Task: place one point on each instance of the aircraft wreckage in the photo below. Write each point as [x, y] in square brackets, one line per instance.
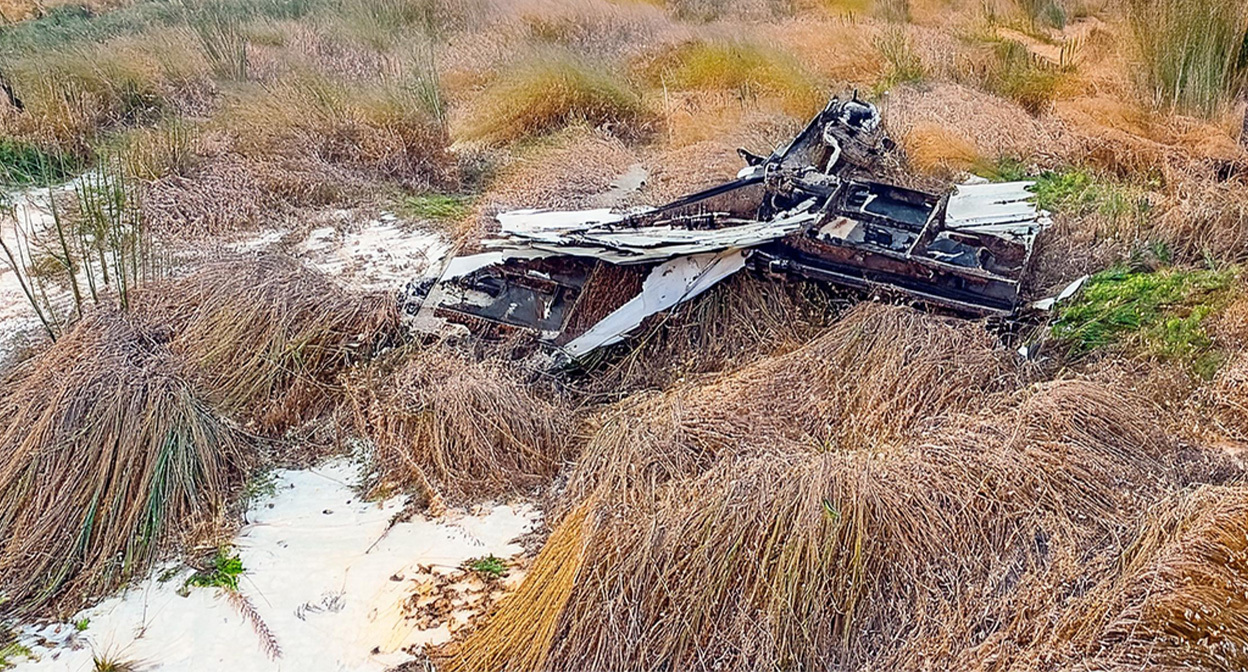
[578, 281]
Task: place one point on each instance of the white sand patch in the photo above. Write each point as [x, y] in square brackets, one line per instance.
[379, 255]
[25, 229]
[326, 578]
[257, 242]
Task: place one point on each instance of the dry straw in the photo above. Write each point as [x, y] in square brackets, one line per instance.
[106, 451]
[854, 500]
[268, 335]
[457, 427]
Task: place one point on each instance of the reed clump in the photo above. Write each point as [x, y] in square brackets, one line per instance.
[107, 453]
[268, 336]
[458, 427]
[1191, 51]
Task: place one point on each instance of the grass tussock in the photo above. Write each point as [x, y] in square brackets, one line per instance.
[108, 452]
[388, 132]
[867, 380]
[933, 149]
[1015, 73]
[268, 336]
[549, 91]
[738, 321]
[455, 427]
[779, 548]
[524, 643]
[747, 70]
[1192, 52]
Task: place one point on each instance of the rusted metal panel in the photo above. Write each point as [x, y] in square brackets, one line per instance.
[809, 209]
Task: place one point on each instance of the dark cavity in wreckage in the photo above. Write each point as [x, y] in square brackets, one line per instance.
[581, 280]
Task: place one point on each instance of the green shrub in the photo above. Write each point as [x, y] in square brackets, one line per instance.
[224, 572]
[1159, 313]
[437, 207]
[489, 566]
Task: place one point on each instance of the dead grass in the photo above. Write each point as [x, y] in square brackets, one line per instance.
[1179, 601]
[457, 427]
[749, 71]
[737, 322]
[548, 91]
[866, 381]
[268, 336]
[934, 149]
[729, 541]
[73, 95]
[996, 127]
[382, 130]
[108, 453]
[566, 171]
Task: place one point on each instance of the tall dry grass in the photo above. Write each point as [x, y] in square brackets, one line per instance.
[107, 452]
[268, 336]
[744, 69]
[1175, 600]
[75, 94]
[385, 130]
[1192, 52]
[550, 90]
[456, 427]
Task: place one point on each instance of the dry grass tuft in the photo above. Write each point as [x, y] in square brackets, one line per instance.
[754, 545]
[107, 452]
[268, 336]
[739, 321]
[566, 172]
[996, 127]
[385, 131]
[934, 149]
[528, 619]
[867, 380]
[746, 70]
[551, 90]
[457, 427]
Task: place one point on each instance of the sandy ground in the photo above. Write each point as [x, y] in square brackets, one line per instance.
[365, 254]
[326, 578]
[379, 254]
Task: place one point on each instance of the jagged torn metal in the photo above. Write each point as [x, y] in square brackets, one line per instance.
[669, 284]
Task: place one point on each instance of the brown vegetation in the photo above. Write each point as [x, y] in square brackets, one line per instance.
[457, 428]
[107, 452]
[268, 336]
[833, 504]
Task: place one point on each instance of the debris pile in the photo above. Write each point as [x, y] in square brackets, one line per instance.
[581, 280]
